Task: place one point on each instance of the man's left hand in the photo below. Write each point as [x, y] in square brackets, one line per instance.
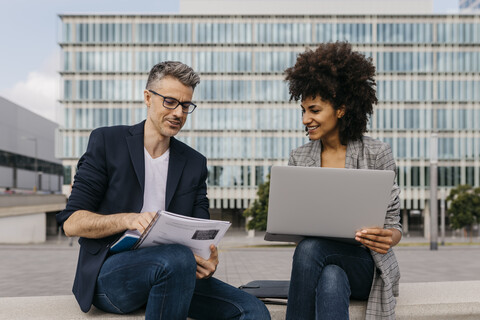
[206, 268]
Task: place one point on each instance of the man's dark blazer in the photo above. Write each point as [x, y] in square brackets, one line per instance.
[110, 179]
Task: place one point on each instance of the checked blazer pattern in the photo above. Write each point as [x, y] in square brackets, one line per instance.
[368, 153]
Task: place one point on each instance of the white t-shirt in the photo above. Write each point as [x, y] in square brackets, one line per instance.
[155, 181]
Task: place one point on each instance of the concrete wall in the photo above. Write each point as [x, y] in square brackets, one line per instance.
[6, 177]
[24, 217]
[306, 7]
[23, 229]
[49, 182]
[25, 179]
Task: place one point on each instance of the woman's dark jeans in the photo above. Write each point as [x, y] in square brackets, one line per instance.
[325, 275]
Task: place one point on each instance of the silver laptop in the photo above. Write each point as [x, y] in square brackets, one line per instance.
[326, 202]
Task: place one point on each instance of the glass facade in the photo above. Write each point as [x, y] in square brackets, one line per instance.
[18, 161]
[106, 61]
[428, 79]
[163, 33]
[351, 32]
[405, 61]
[216, 33]
[102, 33]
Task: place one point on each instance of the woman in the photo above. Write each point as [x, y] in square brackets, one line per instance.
[336, 87]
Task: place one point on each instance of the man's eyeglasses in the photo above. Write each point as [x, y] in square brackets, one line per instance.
[172, 103]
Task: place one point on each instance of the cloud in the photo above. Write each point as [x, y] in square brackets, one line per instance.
[38, 93]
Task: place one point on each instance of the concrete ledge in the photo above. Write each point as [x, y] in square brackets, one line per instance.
[26, 210]
[439, 300]
[25, 202]
[419, 301]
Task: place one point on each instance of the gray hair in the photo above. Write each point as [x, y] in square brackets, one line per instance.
[175, 69]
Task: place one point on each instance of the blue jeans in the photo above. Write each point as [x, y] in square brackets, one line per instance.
[162, 278]
[325, 274]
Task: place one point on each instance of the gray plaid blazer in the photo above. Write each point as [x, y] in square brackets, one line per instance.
[368, 153]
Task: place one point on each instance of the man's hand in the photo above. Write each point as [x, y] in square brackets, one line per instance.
[87, 224]
[378, 239]
[138, 221]
[206, 268]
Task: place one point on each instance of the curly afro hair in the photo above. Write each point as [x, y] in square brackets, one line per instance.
[338, 75]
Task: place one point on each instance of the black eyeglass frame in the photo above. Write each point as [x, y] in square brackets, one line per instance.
[188, 106]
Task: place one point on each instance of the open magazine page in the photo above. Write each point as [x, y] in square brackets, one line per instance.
[197, 234]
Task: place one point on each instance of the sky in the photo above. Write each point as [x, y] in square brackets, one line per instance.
[30, 55]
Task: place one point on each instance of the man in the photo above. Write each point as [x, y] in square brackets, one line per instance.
[124, 177]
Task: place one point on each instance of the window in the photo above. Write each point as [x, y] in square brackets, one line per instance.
[351, 32]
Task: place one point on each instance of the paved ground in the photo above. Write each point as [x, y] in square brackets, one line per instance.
[48, 269]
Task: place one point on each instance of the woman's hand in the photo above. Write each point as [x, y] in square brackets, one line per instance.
[206, 268]
[378, 239]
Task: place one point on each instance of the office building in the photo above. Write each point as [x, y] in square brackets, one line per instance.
[428, 81]
[27, 151]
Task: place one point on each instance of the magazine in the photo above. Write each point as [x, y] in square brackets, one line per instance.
[167, 227]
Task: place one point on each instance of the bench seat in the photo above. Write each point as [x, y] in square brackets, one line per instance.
[427, 300]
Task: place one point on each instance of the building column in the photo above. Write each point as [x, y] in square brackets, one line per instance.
[426, 220]
[405, 221]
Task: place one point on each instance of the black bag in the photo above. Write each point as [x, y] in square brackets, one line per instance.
[269, 291]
